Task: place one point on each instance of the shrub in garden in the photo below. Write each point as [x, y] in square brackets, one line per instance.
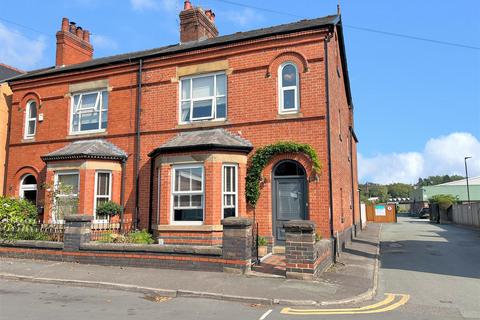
[109, 209]
[444, 201]
[17, 217]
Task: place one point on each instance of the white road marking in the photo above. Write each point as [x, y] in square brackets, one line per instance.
[265, 315]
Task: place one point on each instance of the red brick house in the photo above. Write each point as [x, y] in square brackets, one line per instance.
[170, 133]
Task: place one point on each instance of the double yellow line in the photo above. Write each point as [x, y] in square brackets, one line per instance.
[391, 302]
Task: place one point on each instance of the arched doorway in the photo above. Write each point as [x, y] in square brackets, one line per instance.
[289, 195]
[28, 188]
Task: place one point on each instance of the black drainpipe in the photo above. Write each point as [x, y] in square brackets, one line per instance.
[150, 198]
[122, 195]
[7, 147]
[137, 143]
[329, 147]
[352, 202]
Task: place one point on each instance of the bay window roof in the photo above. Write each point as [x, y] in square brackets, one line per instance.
[87, 149]
[213, 139]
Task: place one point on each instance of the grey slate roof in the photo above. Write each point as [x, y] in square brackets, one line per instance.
[7, 72]
[302, 25]
[87, 149]
[213, 139]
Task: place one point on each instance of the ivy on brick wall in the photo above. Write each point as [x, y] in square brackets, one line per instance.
[261, 158]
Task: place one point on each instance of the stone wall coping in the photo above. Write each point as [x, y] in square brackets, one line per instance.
[299, 225]
[152, 248]
[41, 244]
[237, 222]
[78, 218]
[202, 228]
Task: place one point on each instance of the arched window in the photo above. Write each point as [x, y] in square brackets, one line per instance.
[28, 188]
[288, 85]
[289, 168]
[31, 119]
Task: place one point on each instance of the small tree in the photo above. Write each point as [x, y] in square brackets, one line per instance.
[108, 209]
[62, 200]
[444, 201]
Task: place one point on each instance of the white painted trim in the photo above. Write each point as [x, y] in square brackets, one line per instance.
[27, 135]
[235, 166]
[213, 98]
[27, 187]
[95, 220]
[101, 109]
[55, 184]
[172, 194]
[281, 89]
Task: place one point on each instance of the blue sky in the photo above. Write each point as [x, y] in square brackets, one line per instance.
[417, 103]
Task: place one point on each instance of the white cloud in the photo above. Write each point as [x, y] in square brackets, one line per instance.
[441, 155]
[103, 42]
[142, 5]
[19, 51]
[244, 18]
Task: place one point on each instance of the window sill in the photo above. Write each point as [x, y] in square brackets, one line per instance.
[87, 134]
[28, 140]
[191, 228]
[202, 124]
[289, 115]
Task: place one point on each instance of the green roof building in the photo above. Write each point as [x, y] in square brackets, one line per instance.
[456, 188]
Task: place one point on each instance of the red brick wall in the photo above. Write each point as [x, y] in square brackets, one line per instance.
[252, 112]
[340, 122]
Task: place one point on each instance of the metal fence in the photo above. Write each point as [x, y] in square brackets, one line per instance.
[39, 231]
[109, 232]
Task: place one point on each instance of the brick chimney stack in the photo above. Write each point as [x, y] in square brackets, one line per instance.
[73, 44]
[196, 24]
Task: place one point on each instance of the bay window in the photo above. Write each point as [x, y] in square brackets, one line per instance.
[187, 195]
[229, 191]
[203, 98]
[89, 112]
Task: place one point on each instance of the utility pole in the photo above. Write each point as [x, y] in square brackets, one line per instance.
[466, 175]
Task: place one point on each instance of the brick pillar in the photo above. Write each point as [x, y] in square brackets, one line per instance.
[300, 255]
[77, 231]
[237, 244]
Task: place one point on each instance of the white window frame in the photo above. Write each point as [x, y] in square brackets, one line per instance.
[27, 135]
[173, 193]
[98, 103]
[27, 187]
[213, 116]
[96, 196]
[65, 173]
[235, 193]
[282, 89]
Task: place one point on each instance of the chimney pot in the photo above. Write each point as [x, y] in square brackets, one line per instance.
[73, 28]
[79, 32]
[187, 5]
[65, 24]
[86, 36]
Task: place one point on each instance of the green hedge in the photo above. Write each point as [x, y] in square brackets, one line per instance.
[16, 215]
[261, 158]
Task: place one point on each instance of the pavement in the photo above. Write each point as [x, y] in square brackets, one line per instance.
[352, 279]
[426, 272]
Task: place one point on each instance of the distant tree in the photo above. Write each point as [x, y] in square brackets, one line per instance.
[434, 180]
[399, 190]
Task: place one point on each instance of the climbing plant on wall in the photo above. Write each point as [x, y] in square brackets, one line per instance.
[261, 158]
